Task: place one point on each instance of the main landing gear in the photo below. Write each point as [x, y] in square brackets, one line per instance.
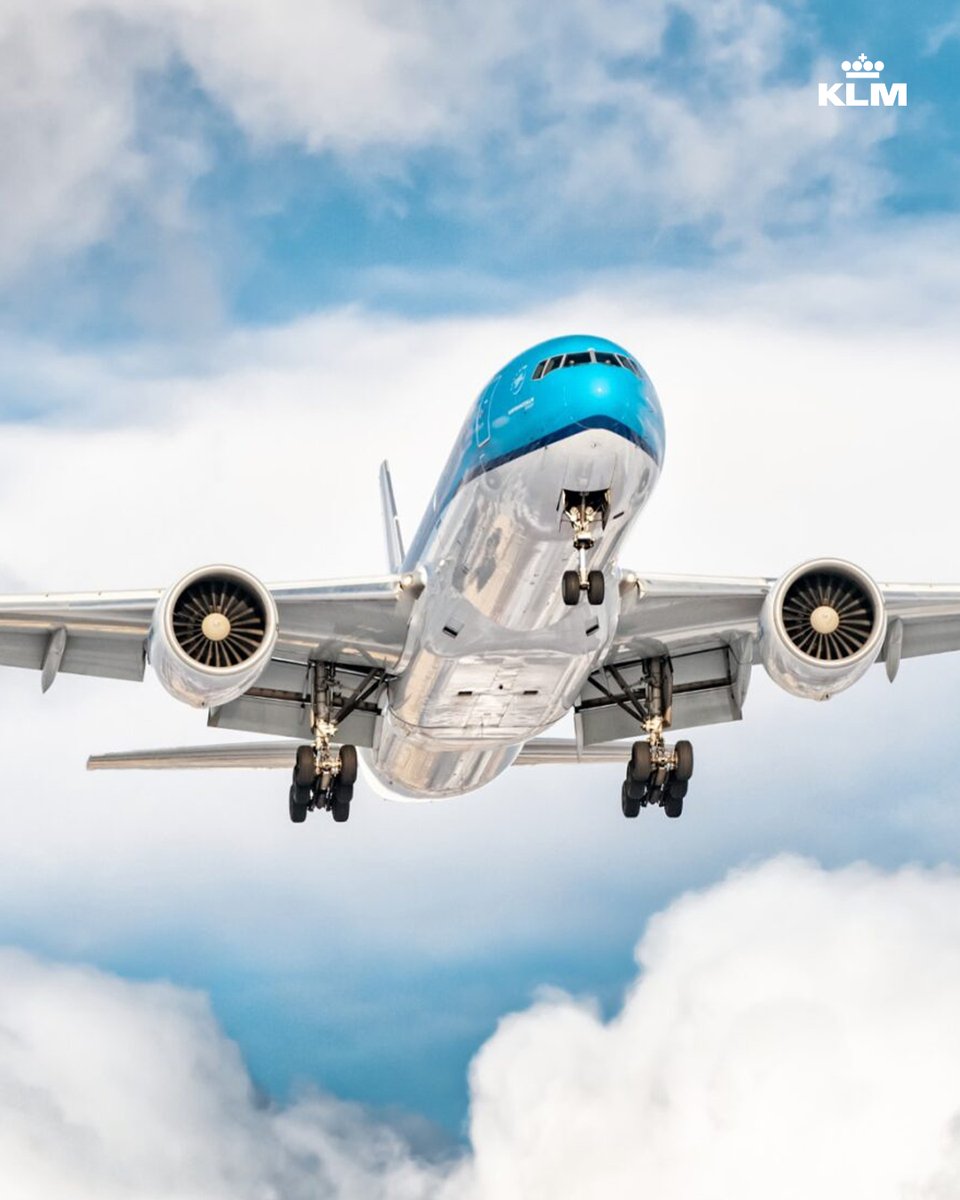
[583, 510]
[323, 777]
[657, 774]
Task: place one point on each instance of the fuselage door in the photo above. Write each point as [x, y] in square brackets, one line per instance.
[482, 427]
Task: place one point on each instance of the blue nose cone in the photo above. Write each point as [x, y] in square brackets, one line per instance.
[562, 387]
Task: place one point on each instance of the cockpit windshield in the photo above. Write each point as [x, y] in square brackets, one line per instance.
[579, 358]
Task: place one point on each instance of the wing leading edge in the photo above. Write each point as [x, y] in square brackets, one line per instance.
[361, 622]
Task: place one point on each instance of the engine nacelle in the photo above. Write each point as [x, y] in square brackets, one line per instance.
[212, 635]
[821, 627]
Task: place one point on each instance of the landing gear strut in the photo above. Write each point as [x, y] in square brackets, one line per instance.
[323, 776]
[583, 510]
[657, 774]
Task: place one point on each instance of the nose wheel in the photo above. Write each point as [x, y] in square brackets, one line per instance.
[571, 587]
[584, 510]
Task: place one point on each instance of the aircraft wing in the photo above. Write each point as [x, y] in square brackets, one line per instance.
[360, 623]
[710, 629]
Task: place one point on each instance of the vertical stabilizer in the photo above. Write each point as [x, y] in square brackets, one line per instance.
[391, 522]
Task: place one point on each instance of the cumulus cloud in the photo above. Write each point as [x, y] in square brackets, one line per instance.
[117, 1089]
[675, 114]
[791, 1032]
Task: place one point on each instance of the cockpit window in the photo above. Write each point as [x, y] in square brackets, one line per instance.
[548, 365]
[605, 357]
[631, 364]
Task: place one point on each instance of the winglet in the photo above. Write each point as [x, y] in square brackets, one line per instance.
[391, 522]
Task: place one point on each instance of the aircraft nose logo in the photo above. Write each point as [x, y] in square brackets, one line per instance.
[518, 380]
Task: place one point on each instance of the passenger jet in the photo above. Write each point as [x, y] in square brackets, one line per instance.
[509, 610]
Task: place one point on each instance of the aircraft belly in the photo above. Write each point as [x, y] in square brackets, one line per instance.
[495, 656]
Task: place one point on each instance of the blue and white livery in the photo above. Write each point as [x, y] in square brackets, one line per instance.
[509, 611]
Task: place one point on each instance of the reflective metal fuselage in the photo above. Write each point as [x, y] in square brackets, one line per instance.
[494, 656]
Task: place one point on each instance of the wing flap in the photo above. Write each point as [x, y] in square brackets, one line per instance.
[709, 685]
[548, 751]
[104, 636]
[929, 615]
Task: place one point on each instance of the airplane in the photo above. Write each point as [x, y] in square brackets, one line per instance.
[509, 611]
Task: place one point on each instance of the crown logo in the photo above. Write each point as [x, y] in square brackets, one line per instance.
[861, 68]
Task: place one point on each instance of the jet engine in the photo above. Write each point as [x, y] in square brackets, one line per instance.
[821, 627]
[212, 635]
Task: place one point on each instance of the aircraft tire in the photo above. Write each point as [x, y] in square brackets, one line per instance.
[673, 806]
[341, 804]
[629, 806]
[305, 771]
[641, 762]
[684, 768]
[596, 587]
[570, 588]
[298, 810]
[348, 766]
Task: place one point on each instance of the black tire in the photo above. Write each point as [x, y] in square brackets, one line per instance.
[636, 791]
[596, 587]
[677, 789]
[628, 804]
[641, 762]
[348, 766]
[570, 588]
[305, 771]
[673, 806]
[298, 810]
[340, 805]
[684, 767]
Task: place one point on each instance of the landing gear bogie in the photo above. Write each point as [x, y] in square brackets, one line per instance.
[657, 774]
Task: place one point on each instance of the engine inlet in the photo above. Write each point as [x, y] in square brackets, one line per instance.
[827, 615]
[218, 622]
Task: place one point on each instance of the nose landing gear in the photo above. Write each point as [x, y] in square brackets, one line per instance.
[583, 510]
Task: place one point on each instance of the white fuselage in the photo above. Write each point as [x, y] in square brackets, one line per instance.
[494, 656]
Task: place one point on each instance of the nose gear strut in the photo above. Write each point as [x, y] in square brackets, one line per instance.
[583, 510]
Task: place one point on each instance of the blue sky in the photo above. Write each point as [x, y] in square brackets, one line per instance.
[224, 223]
[526, 167]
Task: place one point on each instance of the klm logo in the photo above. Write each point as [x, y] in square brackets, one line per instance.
[863, 88]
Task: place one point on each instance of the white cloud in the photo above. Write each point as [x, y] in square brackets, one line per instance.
[117, 1089]
[67, 126]
[585, 115]
[792, 1032]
